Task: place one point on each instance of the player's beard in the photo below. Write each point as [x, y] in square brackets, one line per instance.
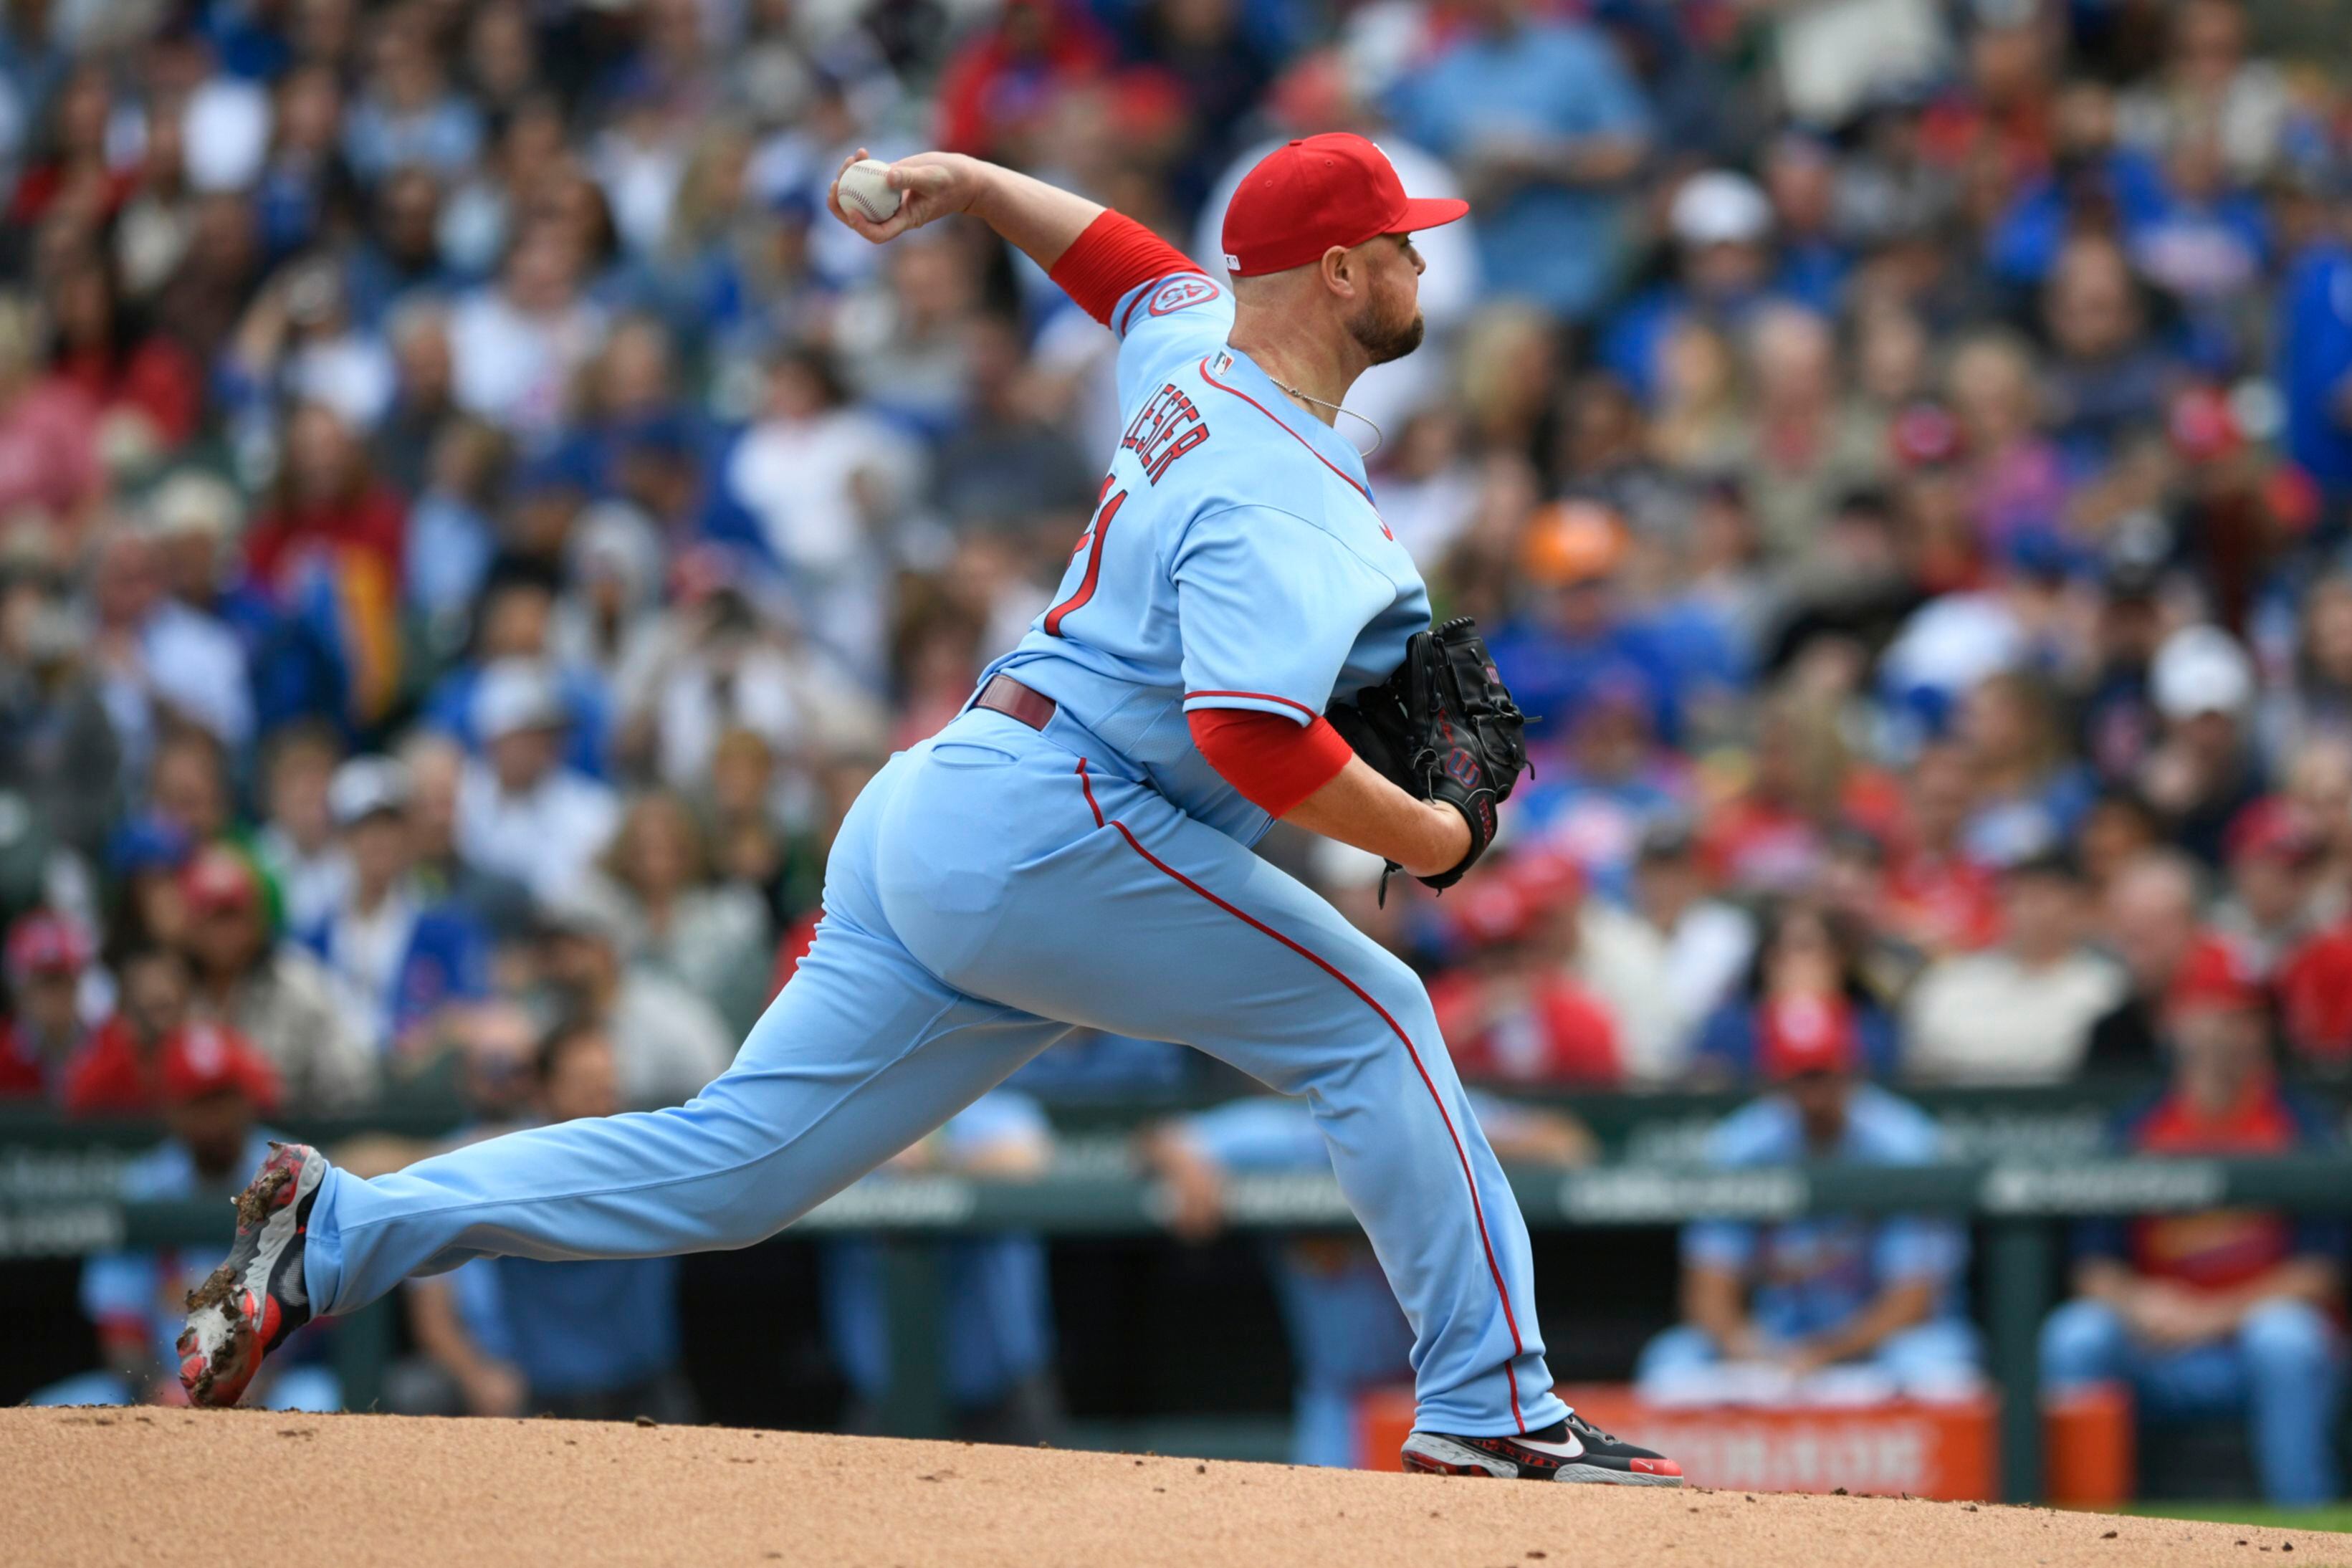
[1384, 341]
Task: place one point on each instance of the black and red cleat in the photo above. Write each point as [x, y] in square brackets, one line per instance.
[252, 1301]
[1569, 1451]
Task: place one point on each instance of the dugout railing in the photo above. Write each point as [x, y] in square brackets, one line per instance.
[2031, 1165]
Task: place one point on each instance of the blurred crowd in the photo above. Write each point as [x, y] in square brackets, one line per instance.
[469, 520]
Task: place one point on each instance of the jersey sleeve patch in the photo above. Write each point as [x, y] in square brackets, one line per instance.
[1182, 294]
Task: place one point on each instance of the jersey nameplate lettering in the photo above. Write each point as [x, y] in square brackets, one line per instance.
[1165, 428]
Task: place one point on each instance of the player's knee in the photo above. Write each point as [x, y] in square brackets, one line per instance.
[2287, 1336]
[2082, 1341]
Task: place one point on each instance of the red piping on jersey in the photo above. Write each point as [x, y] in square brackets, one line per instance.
[1259, 697]
[1286, 430]
[1518, 1347]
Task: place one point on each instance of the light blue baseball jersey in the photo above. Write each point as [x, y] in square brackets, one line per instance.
[1235, 558]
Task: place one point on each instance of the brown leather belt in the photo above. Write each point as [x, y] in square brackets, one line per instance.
[1004, 695]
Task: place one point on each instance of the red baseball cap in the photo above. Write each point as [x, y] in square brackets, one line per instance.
[45, 943]
[205, 1058]
[1305, 196]
[220, 878]
[1806, 1033]
[2269, 829]
[2214, 975]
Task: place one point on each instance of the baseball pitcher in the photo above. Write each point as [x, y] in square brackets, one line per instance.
[1238, 637]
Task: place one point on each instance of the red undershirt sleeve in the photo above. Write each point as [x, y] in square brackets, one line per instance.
[1114, 255]
[1275, 762]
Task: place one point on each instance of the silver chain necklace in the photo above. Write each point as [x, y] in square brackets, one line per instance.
[1378, 436]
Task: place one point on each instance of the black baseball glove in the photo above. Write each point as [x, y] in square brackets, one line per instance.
[1443, 728]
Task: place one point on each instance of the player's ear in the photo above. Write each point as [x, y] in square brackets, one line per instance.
[1340, 273]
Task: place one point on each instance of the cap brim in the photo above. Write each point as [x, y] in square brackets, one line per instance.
[1429, 212]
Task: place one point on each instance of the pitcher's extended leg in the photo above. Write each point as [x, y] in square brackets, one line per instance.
[863, 1053]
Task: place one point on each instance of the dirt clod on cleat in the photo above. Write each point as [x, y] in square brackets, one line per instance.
[254, 1203]
[218, 1288]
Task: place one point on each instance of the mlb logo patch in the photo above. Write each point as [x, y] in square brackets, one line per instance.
[1182, 294]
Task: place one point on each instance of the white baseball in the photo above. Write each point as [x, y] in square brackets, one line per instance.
[865, 190]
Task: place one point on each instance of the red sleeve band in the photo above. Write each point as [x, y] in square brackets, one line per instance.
[1274, 763]
[1114, 255]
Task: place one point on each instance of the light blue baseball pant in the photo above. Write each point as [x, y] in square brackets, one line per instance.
[990, 889]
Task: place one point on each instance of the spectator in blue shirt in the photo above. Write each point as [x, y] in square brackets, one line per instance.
[2222, 1313]
[2315, 356]
[1575, 644]
[400, 953]
[1547, 126]
[1826, 1291]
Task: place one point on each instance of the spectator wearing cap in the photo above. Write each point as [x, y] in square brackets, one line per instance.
[2202, 772]
[2021, 1011]
[1721, 225]
[118, 1070]
[1806, 956]
[1547, 127]
[515, 1336]
[47, 956]
[515, 621]
[1577, 643]
[399, 954]
[1514, 1013]
[197, 520]
[145, 857]
[669, 1041]
[522, 813]
[2271, 905]
[1829, 1291]
[2224, 1314]
[270, 990]
[214, 1088]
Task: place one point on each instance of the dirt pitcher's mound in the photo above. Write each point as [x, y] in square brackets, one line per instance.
[146, 1487]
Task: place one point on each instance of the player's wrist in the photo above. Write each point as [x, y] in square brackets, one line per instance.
[1446, 840]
